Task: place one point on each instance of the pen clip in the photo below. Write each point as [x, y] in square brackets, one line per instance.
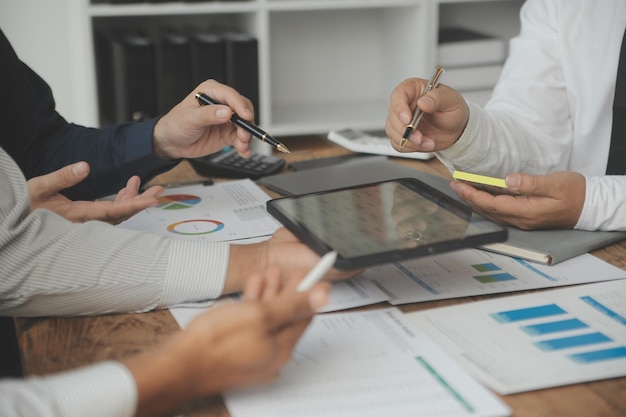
[434, 80]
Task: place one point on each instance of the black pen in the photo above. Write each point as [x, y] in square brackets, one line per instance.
[203, 99]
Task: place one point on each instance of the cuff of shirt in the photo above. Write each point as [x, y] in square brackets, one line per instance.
[466, 152]
[102, 390]
[195, 271]
[141, 144]
[605, 203]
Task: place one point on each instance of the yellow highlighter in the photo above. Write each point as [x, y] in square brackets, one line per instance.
[491, 185]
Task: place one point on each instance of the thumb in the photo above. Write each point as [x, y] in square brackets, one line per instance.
[65, 177]
[537, 185]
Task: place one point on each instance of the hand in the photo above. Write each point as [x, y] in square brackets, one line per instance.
[45, 190]
[445, 116]
[282, 250]
[545, 202]
[230, 346]
[190, 130]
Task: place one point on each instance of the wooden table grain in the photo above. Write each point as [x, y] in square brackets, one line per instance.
[49, 345]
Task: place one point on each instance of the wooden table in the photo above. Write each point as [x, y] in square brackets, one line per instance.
[49, 345]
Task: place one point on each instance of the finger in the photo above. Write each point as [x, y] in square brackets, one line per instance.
[253, 288]
[230, 98]
[242, 142]
[153, 192]
[293, 307]
[534, 185]
[263, 287]
[115, 212]
[289, 334]
[132, 186]
[63, 178]
[273, 284]
[131, 189]
[403, 102]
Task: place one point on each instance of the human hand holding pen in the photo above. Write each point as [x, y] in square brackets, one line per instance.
[189, 130]
[418, 113]
[442, 114]
[256, 131]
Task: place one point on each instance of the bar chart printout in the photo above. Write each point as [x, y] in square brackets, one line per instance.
[472, 272]
[534, 341]
[367, 364]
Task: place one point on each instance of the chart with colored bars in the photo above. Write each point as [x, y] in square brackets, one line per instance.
[551, 328]
[473, 272]
[492, 273]
[538, 340]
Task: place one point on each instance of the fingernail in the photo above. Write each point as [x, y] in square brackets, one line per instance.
[80, 169]
[223, 113]
[405, 118]
[513, 181]
[426, 98]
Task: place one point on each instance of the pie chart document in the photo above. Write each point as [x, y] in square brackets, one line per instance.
[224, 211]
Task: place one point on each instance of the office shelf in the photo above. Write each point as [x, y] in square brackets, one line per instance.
[323, 64]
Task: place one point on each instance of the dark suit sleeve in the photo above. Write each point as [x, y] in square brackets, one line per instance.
[40, 140]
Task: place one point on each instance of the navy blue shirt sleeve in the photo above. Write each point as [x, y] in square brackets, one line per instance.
[40, 140]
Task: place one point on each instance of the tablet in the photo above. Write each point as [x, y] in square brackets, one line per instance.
[383, 222]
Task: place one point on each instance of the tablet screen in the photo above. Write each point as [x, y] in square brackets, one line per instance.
[382, 222]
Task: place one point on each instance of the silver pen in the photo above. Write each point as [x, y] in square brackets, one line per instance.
[418, 113]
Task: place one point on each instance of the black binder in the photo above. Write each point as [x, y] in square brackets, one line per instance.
[134, 77]
[208, 56]
[104, 74]
[242, 66]
[173, 69]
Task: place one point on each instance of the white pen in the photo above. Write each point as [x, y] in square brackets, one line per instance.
[318, 271]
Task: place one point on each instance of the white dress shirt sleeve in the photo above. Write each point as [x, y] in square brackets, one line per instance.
[551, 109]
[103, 390]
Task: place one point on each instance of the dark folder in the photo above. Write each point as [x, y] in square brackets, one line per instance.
[208, 56]
[242, 66]
[173, 69]
[134, 77]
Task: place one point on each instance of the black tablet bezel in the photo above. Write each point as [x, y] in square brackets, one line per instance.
[497, 233]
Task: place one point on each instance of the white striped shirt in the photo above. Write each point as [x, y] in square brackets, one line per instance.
[51, 267]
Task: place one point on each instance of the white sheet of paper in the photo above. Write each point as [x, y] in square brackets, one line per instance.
[345, 294]
[539, 340]
[367, 364]
[474, 272]
[224, 211]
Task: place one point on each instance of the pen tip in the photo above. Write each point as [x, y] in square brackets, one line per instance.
[282, 148]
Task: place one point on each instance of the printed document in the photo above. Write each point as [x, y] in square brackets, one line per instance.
[224, 211]
[474, 272]
[367, 364]
[539, 340]
[345, 294]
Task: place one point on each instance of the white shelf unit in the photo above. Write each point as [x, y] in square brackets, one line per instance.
[323, 64]
[497, 18]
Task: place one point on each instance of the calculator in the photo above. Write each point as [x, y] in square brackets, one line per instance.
[227, 163]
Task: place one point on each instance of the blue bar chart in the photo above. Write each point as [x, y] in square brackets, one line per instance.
[536, 340]
[579, 335]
